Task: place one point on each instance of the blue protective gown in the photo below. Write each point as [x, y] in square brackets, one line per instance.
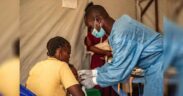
[173, 50]
[134, 44]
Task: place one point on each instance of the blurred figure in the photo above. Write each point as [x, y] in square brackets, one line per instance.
[9, 74]
[174, 50]
[173, 41]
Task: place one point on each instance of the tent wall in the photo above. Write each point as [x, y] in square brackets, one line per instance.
[131, 7]
[174, 11]
[9, 25]
[117, 8]
[149, 18]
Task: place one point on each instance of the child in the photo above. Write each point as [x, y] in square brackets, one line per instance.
[53, 76]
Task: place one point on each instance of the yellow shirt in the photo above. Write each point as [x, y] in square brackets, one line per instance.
[50, 77]
[10, 77]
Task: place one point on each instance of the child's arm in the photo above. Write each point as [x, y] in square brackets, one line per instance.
[74, 71]
[75, 90]
[69, 81]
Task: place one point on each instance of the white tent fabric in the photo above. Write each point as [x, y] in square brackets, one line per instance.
[9, 25]
[117, 8]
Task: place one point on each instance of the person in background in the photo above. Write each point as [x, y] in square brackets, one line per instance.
[10, 73]
[52, 77]
[98, 56]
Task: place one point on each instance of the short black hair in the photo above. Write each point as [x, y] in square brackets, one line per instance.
[16, 47]
[55, 43]
[89, 5]
[97, 9]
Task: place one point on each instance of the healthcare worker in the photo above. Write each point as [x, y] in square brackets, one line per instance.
[133, 44]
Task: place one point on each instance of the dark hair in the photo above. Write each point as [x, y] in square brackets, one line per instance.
[17, 47]
[55, 43]
[97, 9]
[89, 5]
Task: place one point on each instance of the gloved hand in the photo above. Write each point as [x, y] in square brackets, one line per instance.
[88, 83]
[84, 74]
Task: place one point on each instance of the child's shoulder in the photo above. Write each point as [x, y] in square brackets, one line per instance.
[50, 62]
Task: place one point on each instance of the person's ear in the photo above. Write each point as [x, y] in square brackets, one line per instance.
[58, 53]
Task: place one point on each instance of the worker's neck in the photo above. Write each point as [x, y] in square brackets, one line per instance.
[109, 24]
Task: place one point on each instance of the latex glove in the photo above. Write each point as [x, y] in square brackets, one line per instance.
[84, 74]
[89, 83]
